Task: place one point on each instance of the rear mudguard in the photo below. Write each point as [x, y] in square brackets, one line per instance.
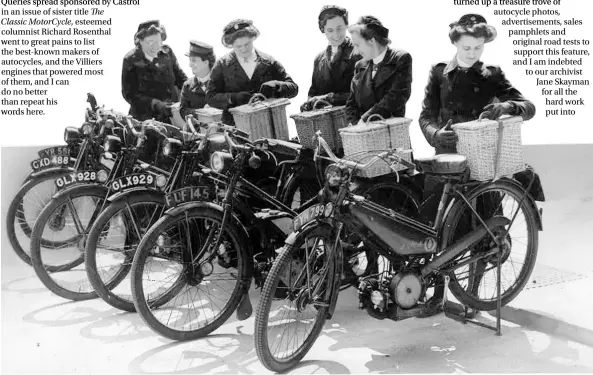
[336, 270]
[458, 204]
[135, 192]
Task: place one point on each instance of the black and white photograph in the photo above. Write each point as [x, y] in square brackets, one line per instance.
[310, 187]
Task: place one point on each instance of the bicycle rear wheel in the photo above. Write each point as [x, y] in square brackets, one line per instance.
[475, 285]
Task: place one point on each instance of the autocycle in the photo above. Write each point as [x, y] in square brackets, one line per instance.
[80, 198]
[81, 152]
[472, 234]
[134, 207]
[203, 243]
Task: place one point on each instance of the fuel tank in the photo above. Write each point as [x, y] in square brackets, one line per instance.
[403, 238]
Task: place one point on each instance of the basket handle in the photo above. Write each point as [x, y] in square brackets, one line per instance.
[323, 102]
[373, 116]
[484, 115]
[256, 96]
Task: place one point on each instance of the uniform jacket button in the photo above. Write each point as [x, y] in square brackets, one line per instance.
[476, 89]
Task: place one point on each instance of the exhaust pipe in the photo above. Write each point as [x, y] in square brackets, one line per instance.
[466, 241]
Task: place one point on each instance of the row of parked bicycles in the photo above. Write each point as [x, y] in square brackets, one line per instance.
[179, 224]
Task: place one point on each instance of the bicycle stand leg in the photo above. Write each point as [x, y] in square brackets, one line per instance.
[498, 301]
[444, 302]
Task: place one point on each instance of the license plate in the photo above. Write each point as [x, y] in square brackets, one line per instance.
[75, 177]
[310, 214]
[133, 180]
[53, 151]
[189, 194]
[50, 161]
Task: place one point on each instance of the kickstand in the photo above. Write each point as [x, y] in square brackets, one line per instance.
[463, 317]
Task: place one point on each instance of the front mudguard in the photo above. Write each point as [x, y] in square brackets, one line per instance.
[82, 186]
[242, 231]
[56, 170]
[136, 191]
[335, 269]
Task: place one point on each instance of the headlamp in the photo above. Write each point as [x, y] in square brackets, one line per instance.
[172, 147]
[71, 134]
[86, 128]
[112, 144]
[220, 160]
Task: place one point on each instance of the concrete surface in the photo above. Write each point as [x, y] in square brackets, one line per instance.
[42, 333]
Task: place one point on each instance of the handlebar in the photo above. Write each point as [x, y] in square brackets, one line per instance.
[191, 120]
[390, 154]
[234, 146]
[129, 121]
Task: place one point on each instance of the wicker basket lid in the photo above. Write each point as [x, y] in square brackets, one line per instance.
[486, 123]
[209, 111]
[376, 125]
[258, 103]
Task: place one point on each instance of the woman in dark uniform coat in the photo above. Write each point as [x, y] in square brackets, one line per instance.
[245, 71]
[333, 68]
[459, 91]
[151, 77]
[382, 82]
[193, 93]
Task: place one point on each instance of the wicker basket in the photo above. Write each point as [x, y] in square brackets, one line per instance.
[262, 119]
[279, 118]
[493, 148]
[385, 134]
[327, 119]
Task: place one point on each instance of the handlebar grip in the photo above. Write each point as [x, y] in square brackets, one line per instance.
[241, 133]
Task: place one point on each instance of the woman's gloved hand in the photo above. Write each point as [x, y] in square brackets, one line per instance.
[498, 109]
[271, 89]
[308, 105]
[161, 108]
[445, 136]
[240, 98]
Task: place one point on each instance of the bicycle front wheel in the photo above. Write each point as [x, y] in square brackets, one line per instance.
[182, 287]
[292, 307]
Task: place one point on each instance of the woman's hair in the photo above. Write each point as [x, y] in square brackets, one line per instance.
[369, 27]
[211, 57]
[473, 25]
[238, 29]
[329, 12]
[479, 30]
[146, 32]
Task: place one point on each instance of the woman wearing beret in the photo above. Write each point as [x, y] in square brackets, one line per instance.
[382, 79]
[151, 77]
[459, 90]
[333, 67]
[193, 94]
[245, 71]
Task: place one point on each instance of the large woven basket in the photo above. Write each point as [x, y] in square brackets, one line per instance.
[279, 117]
[308, 123]
[265, 118]
[493, 148]
[384, 134]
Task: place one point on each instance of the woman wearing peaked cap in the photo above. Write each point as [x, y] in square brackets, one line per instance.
[382, 82]
[193, 94]
[459, 90]
[245, 71]
[333, 68]
[151, 76]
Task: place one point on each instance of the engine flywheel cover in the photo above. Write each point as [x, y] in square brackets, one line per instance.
[407, 289]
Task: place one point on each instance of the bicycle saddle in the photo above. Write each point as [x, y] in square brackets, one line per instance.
[442, 164]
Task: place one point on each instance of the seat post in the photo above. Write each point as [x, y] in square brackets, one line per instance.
[443, 203]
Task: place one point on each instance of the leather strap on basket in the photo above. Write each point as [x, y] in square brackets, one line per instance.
[500, 129]
[327, 105]
[259, 96]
